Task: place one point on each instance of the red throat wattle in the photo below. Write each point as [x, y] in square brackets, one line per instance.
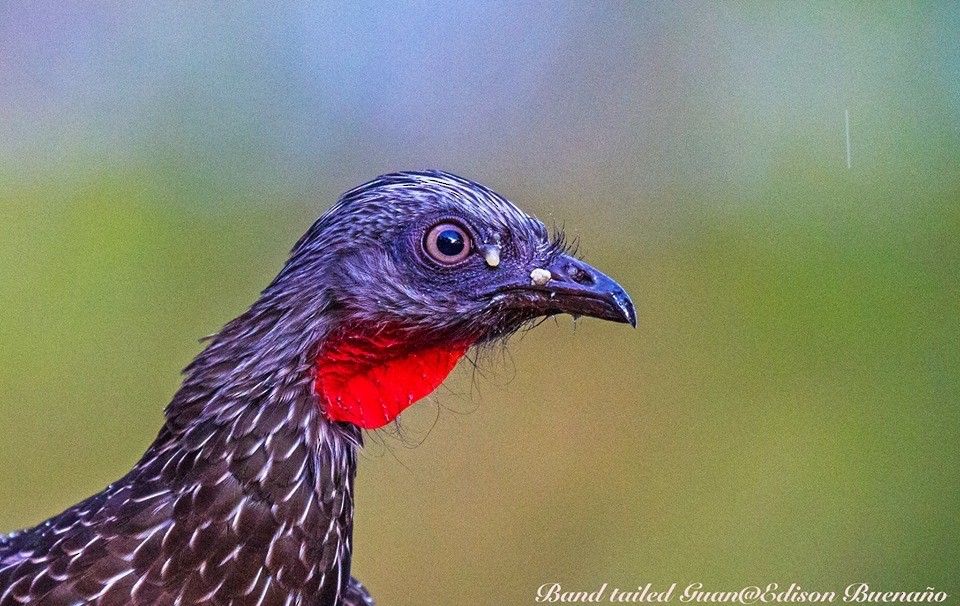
[369, 380]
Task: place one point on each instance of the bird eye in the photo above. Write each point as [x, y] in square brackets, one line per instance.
[447, 243]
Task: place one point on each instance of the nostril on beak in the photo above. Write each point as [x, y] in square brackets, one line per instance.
[580, 275]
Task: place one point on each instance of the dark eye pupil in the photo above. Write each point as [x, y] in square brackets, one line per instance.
[450, 242]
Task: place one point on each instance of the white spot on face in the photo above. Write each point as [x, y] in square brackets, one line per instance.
[539, 276]
[492, 256]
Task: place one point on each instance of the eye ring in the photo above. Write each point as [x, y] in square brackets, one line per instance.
[447, 243]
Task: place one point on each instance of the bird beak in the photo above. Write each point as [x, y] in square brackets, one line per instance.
[568, 286]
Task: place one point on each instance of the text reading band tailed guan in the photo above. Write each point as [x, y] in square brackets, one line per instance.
[246, 496]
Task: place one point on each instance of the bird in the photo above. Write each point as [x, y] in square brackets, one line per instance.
[246, 494]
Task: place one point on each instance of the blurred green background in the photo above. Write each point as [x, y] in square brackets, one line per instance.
[789, 409]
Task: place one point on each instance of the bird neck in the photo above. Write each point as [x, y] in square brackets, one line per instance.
[246, 458]
[266, 494]
[247, 402]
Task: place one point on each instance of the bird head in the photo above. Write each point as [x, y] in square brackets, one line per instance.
[416, 268]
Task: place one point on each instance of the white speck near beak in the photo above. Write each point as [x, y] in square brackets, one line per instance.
[539, 276]
[492, 256]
